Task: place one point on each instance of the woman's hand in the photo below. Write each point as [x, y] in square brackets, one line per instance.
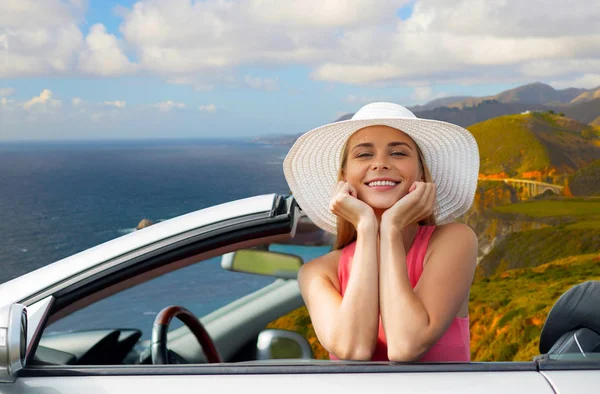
[345, 204]
[417, 205]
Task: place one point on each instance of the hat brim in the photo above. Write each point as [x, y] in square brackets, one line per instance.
[450, 153]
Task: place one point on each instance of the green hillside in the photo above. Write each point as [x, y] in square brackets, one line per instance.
[586, 182]
[536, 247]
[501, 146]
[508, 311]
[514, 144]
[577, 232]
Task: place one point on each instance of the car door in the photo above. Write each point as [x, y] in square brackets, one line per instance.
[214, 238]
[572, 373]
[290, 377]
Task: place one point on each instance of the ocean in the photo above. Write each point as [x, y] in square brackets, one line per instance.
[59, 198]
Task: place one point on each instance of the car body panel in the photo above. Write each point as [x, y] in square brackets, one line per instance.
[434, 382]
[573, 382]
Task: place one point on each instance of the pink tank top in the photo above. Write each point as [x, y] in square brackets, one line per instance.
[454, 345]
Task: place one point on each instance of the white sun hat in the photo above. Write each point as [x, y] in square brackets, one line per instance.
[450, 152]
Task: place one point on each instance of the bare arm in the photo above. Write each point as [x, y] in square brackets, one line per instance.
[348, 326]
[414, 320]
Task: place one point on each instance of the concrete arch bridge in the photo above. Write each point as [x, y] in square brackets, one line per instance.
[531, 188]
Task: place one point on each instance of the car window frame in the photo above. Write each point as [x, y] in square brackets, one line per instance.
[160, 258]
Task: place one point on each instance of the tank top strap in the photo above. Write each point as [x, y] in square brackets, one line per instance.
[417, 252]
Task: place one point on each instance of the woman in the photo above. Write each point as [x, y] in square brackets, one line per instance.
[396, 285]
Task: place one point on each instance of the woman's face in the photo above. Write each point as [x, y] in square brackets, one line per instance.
[382, 164]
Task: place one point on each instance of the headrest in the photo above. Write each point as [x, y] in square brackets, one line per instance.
[578, 307]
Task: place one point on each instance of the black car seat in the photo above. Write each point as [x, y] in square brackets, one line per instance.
[573, 324]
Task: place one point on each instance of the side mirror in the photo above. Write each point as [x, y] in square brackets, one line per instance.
[263, 262]
[282, 344]
[13, 341]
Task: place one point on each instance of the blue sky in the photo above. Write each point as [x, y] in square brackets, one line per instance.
[77, 69]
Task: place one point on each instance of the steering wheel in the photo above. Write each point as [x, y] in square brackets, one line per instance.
[161, 328]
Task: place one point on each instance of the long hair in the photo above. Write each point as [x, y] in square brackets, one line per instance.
[346, 233]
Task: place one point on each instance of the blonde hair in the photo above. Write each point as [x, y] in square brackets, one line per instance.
[346, 233]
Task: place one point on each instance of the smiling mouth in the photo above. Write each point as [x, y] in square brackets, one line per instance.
[382, 185]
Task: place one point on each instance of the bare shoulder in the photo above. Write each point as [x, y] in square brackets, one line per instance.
[454, 237]
[454, 232]
[325, 266]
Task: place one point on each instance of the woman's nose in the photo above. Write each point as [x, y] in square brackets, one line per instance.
[380, 165]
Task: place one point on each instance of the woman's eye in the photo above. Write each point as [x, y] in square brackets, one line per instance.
[398, 154]
[364, 154]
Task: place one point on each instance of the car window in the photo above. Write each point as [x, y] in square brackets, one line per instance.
[202, 288]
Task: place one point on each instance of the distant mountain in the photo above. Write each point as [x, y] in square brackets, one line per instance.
[481, 112]
[533, 97]
[582, 105]
[533, 93]
[539, 93]
[440, 102]
[587, 96]
[534, 145]
[583, 111]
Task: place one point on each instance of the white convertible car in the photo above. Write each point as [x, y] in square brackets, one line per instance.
[79, 325]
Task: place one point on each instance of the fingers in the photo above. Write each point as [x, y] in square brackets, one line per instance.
[337, 204]
[428, 199]
[352, 190]
[412, 187]
[423, 196]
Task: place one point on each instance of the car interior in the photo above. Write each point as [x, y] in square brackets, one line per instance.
[235, 330]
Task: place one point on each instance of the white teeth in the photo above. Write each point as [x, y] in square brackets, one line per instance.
[382, 183]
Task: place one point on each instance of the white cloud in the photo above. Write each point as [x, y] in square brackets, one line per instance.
[425, 93]
[202, 43]
[103, 55]
[44, 38]
[6, 104]
[5, 92]
[268, 84]
[166, 106]
[116, 104]
[183, 38]
[421, 93]
[323, 13]
[357, 74]
[585, 81]
[35, 13]
[43, 101]
[76, 102]
[354, 99]
[449, 41]
[208, 108]
[39, 37]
